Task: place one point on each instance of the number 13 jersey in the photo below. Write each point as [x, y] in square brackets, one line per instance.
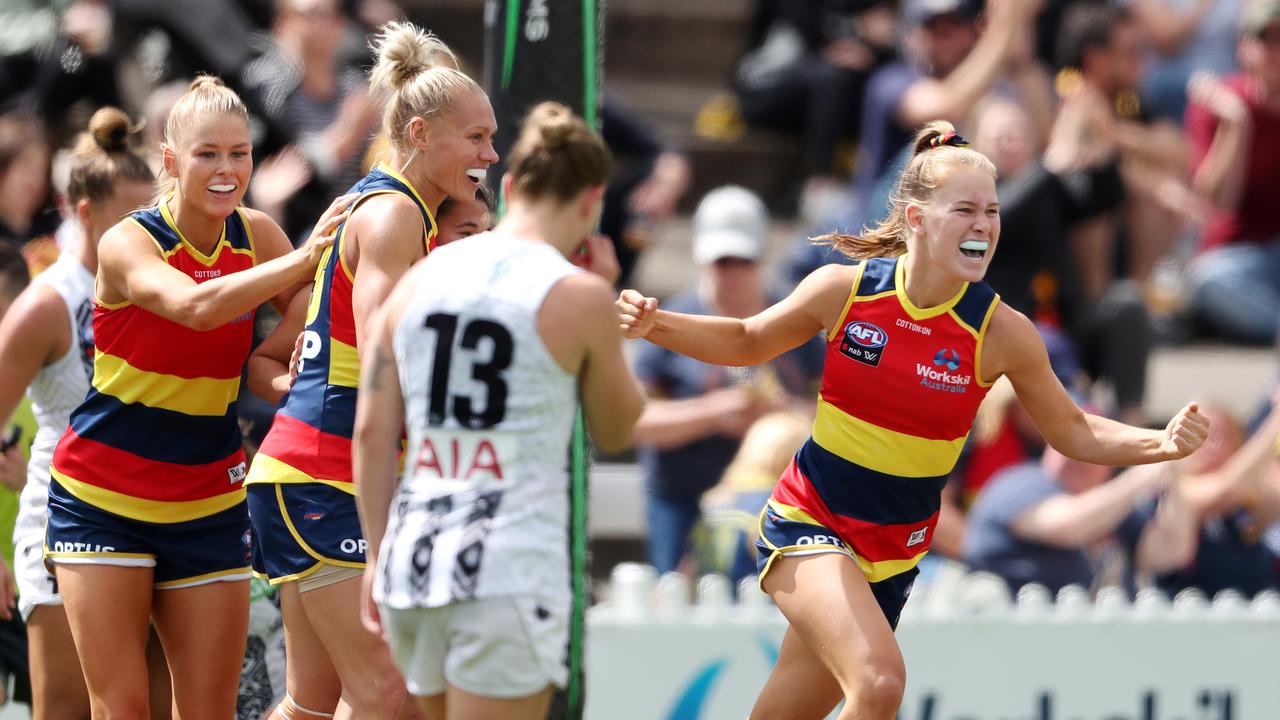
[483, 505]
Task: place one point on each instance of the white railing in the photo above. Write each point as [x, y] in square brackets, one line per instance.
[659, 649]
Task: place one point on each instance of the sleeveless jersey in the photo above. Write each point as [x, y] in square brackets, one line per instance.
[483, 505]
[156, 438]
[61, 385]
[310, 438]
[900, 389]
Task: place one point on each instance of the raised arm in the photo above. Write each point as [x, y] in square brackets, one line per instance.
[1069, 521]
[130, 268]
[813, 306]
[1014, 348]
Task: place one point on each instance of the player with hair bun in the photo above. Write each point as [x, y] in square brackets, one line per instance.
[307, 536]
[147, 519]
[914, 340]
[481, 353]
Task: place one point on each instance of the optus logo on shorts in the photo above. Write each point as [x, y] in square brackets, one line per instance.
[864, 342]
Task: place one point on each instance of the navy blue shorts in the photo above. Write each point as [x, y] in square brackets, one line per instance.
[213, 548]
[785, 537]
[297, 527]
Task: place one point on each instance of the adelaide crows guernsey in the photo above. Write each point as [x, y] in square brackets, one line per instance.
[157, 438]
[310, 438]
[900, 389]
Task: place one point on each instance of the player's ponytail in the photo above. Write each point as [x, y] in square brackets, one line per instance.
[935, 148]
[104, 154]
[557, 155]
[416, 75]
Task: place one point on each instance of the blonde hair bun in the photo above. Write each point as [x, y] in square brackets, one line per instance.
[405, 51]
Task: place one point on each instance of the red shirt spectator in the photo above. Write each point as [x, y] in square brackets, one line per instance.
[1255, 217]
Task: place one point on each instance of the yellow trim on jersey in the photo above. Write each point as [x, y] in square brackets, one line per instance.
[208, 397]
[206, 260]
[344, 364]
[267, 470]
[982, 335]
[297, 537]
[342, 234]
[900, 287]
[792, 513]
[848, 303]
[313, 305]
[202, 579]
[156, 511]
[252, 250]
[431, 212]
[880, 449]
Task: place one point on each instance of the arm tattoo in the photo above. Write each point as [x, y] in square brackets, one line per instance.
[380, 362]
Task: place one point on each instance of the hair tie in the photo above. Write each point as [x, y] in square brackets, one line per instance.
[951, 138]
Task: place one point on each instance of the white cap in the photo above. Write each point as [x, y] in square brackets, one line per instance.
[731, 221]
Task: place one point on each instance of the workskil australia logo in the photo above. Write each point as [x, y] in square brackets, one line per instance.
[943, 373]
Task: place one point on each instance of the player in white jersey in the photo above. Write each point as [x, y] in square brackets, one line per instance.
[482, 352]
[46, 348]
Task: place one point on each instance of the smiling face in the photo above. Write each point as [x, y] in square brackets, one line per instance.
[463, 219]
[455, 149]
[957, 229]
[212, 163]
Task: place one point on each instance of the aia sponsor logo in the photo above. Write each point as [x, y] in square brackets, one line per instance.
[864, 342]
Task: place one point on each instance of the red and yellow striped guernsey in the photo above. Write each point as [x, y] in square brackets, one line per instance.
[157, 439]
[900, 390]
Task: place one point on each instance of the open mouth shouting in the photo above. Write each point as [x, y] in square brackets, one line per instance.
[477, 175]
[974, 249]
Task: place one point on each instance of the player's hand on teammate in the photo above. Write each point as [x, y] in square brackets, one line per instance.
[636, 313]
[1185, 433]
[369, 615]
[322, 236]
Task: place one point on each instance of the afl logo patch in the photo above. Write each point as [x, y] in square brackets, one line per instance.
[864, 342]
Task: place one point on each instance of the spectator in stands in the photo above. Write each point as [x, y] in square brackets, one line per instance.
[26, 220]
[697, 413]
[953, 60]
[724, 541]
[1188, 36]
[1060, 522]
[648, 181]
[322, 108]
[1043, 202]
[1234, 488]
[1100, 51]
[804, 73]
[1233, 126]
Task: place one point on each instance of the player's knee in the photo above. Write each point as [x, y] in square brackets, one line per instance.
[123, 707]
[380, 697]
[879, 693]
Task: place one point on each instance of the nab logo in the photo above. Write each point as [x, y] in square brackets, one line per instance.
[948, 357]
[864, 342]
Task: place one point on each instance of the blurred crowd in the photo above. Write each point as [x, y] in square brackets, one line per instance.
[1138, 148]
